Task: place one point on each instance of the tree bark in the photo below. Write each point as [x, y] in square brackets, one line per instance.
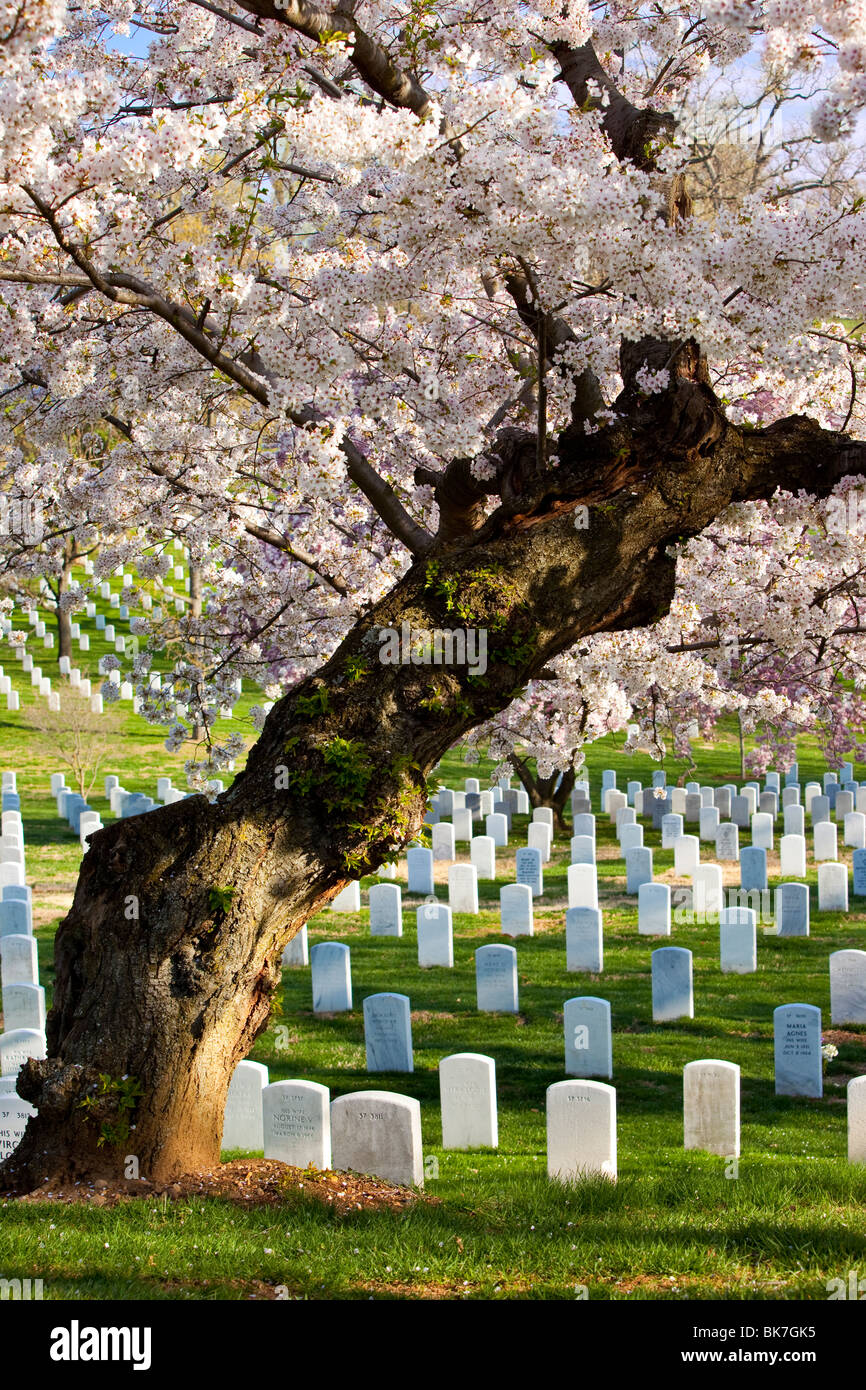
[64, 617]
[195, 611]
[170, 954]
[544, 791]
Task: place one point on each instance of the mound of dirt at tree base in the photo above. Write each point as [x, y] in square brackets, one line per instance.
[247, 1181]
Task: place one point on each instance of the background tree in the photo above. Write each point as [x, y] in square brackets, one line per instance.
[75, 737]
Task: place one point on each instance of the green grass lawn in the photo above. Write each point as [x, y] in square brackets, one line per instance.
[676, 1225]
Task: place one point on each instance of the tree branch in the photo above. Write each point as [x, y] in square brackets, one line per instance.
[371, 59]
[253, 378]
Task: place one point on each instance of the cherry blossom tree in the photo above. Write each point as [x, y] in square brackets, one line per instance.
[397, 312]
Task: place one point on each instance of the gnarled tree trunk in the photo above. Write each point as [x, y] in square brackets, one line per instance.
[168, 959]
[553, 791]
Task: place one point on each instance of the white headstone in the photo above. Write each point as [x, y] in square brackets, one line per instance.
[463, 888]
[443, 841]
[728, 843]
[467, 1093]
[540, 836]
[738, 944]
[378, 1132]
[686, 854]
[583, 849]
[331, 977]
[762, 830]
[825, 841]
[856, 1097]
[297, 1123]
[419, 867]
[855, 830]
[631, 837]
[19, 1044]
[581, 1130]
[654, 909]
[711, 1107]
[672, 829]
[24, 1007]
[582, 885]
[584, 940]
[709, 896]
[462, 821]
[527, 869]
[483, 854]
[792, 910]
[672, 990]
[496, 826]
[797, 1050]
[709, 823]
[296, 951]
[792, 852]
[348, 899]
[386, 910]
[19, 961]
[242, 1123]
[515, 909]
[638, 869]
[588, 1050]
[848, 986]
[388, 1032]
[496, 979]
[832, 887]
[435, 935]
[14, 1114]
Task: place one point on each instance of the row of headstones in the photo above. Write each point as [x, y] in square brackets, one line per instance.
[707, 879]
[77, 682]
[584, 927]
[23, 999]
[688, 801]
[737, 807]
[583, 919]
[83, 820]
[832, 781]
[11, 827]
[725, 835]
[654, 899]
[379, 1132]
[496, 979]
[22, 995]
[23, 1009]
[792, 900]
[833, 876]
[445, 834]
[42, 684]
[638, 859]
[293, 1121]
[75, 679]
[80, 684]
